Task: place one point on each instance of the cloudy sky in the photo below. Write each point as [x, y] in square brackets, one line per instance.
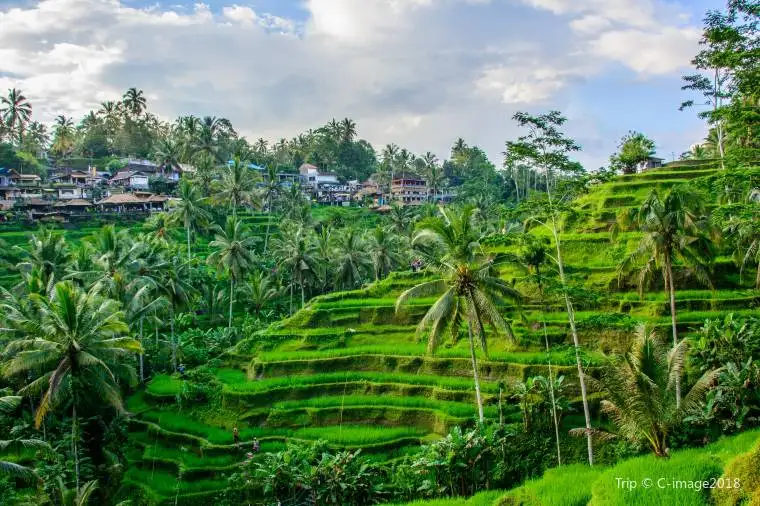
[415, 72]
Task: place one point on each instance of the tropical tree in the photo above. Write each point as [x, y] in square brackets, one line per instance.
[48, 255]
[546, 149]
[271, 189]
[238, 185]
[351, 261]
[232, 252]
[134, 102]
[470, 290]
[76, 348]
[63, 136]
[675, 229]
[386, 251]
[638, 392]
[18, 446]
[401, 217]
[16, 112]
[175, 287]
[634, 149]
[190, 211]
[260, 291]
[297, 256]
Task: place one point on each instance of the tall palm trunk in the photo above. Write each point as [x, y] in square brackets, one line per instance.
[174, 341]
[573, 328]
[576, 343]
[269, 222]
[142, 356]
[475, 373]
[673, 321]
[74, 437]
[187, 232]
[232, 300]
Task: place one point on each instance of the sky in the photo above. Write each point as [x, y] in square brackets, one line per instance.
[418, 73]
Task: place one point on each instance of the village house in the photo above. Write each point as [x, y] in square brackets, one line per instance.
[650, 163]
[130, 179]
[131, 202]
[409, 189]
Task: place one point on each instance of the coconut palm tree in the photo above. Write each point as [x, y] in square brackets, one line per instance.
[351, 261]
[167, 153]
[232, 252]
[18, 446]
[675, 229]
[76, 347]
[743, 232]
[271, 189]
[260, 291]
[386, 251]
[16, 112]
[638, 392]
[402, 217]
[347, 130]
[238, 185]
[190, 211]
[134, 102]
[470, 291]
[63, 136]
[297, 255]
[47, 254]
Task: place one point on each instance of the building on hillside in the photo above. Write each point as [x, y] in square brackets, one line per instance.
[130, 179]
[133, 202]
[651, 163]
[69, 192]
[409, 190]
[72, 177]
[312, 177]
[370, 191]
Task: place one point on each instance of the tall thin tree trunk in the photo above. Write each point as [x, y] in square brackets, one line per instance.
[187, 230]
[232, 300]
[672, 294]
[174, 342]
[303, 295]
[551, 375]
[475, 373]
[291, 295]
[142, 355]
[719, 125]
[269, 222]
[576, 344]
[74, 436]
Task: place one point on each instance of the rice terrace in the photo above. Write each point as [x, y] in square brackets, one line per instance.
[192, 317]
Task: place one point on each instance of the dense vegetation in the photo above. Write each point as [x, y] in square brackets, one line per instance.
[549, 332]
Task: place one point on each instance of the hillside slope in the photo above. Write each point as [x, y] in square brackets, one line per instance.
[348, 369]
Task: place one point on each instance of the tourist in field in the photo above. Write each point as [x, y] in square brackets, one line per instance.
[236, 436]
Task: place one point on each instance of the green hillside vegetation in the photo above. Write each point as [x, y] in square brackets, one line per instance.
[551, 336]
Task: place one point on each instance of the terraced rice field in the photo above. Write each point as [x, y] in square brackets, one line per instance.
[348, 369]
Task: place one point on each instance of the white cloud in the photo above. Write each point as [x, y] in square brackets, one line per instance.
[645, 52]
[415, 72]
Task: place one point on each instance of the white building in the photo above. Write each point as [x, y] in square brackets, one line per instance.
[312, 177]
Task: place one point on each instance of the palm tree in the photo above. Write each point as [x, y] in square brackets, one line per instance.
[470, 289]
[18, 446]
[638, 391]
[48, 255]
[238, 185]
[16, 112]
[78, 348]
[743, 233]
[386, 251]
[63, 136]
[674, 229]
[351, 261]
[167, 153]
[134, 101]
[260, 291]
[347, 130]
[271, 189]
[296, 253]
[401, 216]
[190, 211]
[178, 291]
[232, 251]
